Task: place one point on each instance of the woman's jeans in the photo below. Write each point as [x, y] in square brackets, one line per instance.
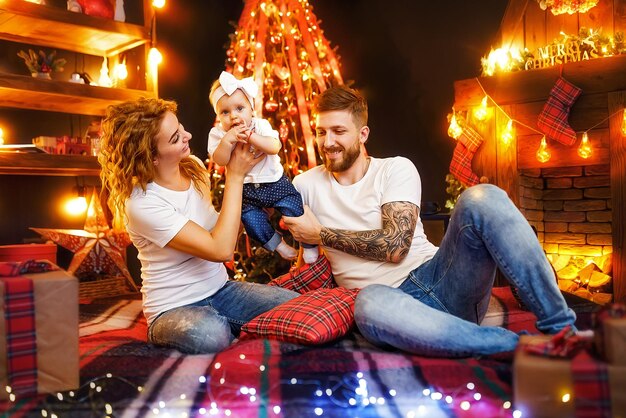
[437, 309]
[210, 325]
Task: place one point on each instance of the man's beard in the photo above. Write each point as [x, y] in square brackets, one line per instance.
[350, 155]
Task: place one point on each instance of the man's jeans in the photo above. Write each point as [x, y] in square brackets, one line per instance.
[210, 325]
[435, 311]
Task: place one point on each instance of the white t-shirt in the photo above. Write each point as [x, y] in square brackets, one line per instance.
[269, 169]
[171, 278]
[357, 207]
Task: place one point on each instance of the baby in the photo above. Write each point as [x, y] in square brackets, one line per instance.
[266, 185]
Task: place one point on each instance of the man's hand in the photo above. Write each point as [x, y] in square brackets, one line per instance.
[305, 228]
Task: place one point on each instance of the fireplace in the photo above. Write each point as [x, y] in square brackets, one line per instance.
[576, 201]
[570, 208]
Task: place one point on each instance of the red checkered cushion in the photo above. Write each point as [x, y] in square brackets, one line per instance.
[308, 277]
[316, 317]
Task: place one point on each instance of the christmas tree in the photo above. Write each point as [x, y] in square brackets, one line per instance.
[281, 45]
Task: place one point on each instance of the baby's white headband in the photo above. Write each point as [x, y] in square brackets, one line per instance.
[228, 85]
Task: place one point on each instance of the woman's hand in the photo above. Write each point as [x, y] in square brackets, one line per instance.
[242, 160]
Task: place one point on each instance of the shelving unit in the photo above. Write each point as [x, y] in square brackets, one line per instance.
[24, 22]
[48, 164]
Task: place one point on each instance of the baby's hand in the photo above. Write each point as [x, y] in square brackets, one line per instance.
[236, 134]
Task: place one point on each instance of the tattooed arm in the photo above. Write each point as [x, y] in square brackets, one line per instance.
[389, 243]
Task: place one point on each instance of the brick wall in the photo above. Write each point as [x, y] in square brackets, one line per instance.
[570, 207]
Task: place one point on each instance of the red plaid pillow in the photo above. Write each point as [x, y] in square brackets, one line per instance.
[313, 318]
[308, 277]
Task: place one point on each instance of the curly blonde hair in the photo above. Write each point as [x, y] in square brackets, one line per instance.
[129, 146]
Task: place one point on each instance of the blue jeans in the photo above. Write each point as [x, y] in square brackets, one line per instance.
[210, 325]
[437, 309]
[279, 195]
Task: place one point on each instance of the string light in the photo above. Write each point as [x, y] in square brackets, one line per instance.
[120, 72]
[158, 3]
[481, 112]
[104, 80]
[154, 57]
[507, 134]
[2, 136]
[543, 155]
[454, 130]
[584, 150]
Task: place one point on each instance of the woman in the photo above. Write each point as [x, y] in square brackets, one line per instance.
[163, 191]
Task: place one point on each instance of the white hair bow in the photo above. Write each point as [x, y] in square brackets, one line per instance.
[229, 84]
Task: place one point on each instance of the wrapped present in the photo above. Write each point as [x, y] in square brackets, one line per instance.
[545, 386]
[610, 333]
[24, 252]
[38, 329]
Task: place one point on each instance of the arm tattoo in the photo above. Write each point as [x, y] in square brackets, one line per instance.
[390, 243]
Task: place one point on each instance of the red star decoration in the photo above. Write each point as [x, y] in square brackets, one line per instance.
[97, 248]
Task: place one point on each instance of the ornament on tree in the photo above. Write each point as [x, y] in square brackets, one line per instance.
[461, 165]
[97, 248]
[553, 119]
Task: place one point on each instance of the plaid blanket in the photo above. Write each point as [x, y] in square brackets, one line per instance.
[123, 376]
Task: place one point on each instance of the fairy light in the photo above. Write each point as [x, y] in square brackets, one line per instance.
[120, 72]
[2, 136]
[507, 134]
[454, 130]
[154, 57]
[543, 154]
[623, 124]
[481, 112]
[584, 150]
[159, 4]
[565, 398]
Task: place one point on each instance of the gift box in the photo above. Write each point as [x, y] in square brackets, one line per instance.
[55, 295]
[543, 386]
[610, 334]
[24, 252]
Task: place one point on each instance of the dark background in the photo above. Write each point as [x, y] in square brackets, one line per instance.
[403, 55]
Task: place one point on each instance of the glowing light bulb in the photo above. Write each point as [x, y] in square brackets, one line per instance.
[481, 112]
[158, 3]
[584, 150]
[543, 155]
[120, 72]
[507, 135]
[454, 130]
[623, 125]
[1, 137]
[104, 80]
[565, 398]
[76, 206]
[155, 57]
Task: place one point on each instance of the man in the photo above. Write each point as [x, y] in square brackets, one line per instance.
[364, 212]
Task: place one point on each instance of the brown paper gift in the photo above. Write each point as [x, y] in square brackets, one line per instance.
[613, 344]
[56, 325]
[540, 383]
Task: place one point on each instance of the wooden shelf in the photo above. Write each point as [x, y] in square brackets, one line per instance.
[48, 164]
[61, 96]
[29, 23]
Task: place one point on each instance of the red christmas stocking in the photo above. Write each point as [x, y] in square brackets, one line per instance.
[552, 120]
[461, 164]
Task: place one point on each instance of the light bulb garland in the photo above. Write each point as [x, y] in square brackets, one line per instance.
[543, 155]
[584, 150]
